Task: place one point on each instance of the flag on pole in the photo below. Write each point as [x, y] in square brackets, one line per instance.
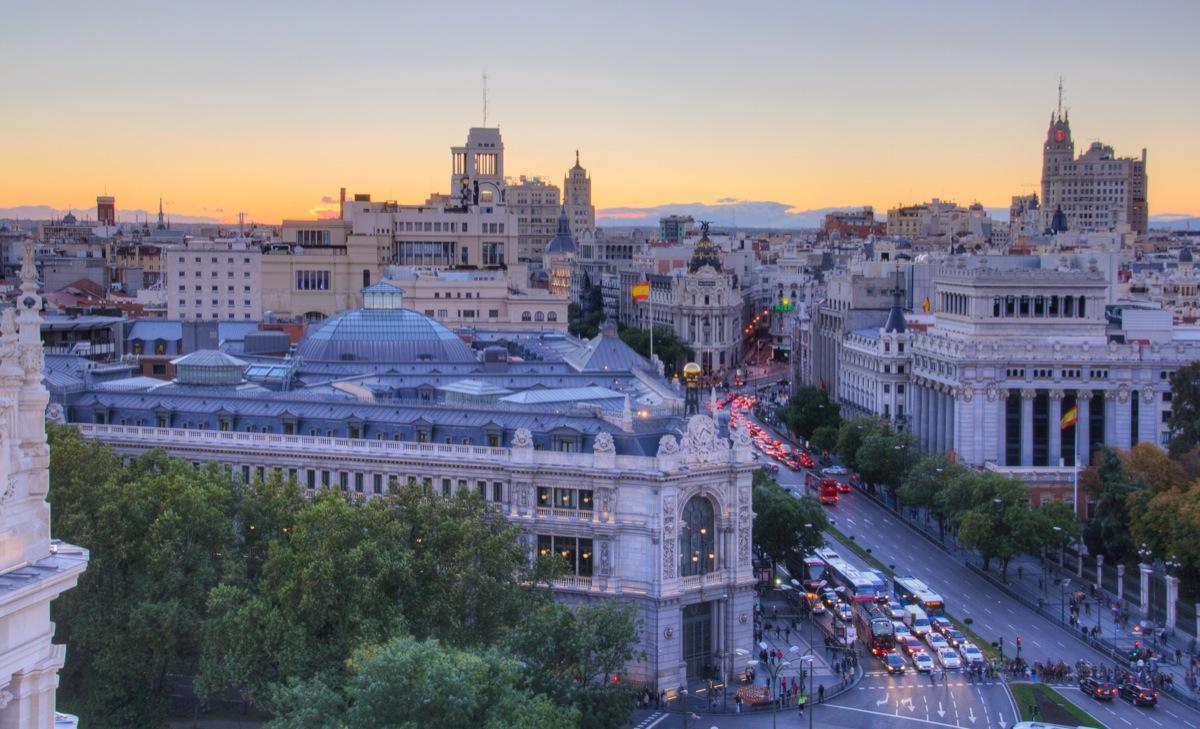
[1069, 418]
[641, 291]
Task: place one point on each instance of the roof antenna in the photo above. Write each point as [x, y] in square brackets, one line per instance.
[485, 98]
[1060, 97]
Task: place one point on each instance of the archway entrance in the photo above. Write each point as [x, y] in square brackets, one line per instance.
[698, 639]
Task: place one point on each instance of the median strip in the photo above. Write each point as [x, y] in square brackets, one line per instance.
[1039, 702]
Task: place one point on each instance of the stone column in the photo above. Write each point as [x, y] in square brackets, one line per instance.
[1120, 582]
[1145, 591]
[951, 400]
[921, 416]
[1027, 396]
[1000, 421]
[1083, 437]
[1056, 398]
[1122, 422]
[939, 422]
[1148, 418]
[1172, 596]
[1110, 418]
[1079, 559]
[1099, 571]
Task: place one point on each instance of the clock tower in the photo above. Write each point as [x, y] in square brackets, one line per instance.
[1057, 153]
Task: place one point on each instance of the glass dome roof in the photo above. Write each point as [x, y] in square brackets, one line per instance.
[383, 336]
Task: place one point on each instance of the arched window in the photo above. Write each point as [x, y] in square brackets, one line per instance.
[697, 542]
[552, 316]
[526, 316]
[539, 316]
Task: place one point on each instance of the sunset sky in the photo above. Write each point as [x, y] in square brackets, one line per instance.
[268, 107]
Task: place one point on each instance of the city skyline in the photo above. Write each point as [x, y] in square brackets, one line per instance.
[812, 109]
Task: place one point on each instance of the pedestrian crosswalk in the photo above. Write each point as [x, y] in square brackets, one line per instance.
[925, 684]
[651, 720]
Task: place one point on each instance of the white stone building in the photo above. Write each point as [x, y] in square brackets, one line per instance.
[577, 197]
[536, 204]
[34, 568]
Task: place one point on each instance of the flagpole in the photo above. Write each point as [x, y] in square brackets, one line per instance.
[650, 301]
[1075, 467]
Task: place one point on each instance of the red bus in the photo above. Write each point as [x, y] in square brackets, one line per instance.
[829, 491]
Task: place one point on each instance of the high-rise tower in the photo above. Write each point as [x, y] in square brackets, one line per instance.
[577, 195]
[106, 210]
[477, 169]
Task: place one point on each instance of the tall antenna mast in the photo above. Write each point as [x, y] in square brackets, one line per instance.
[1060, 97]
[485, 97]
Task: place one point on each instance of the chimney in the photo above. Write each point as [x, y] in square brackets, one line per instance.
[342, 205]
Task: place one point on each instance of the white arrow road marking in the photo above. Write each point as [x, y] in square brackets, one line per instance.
[909, 704]
[941, 711]
[971, 715]
[882, 701]
[1001, 719]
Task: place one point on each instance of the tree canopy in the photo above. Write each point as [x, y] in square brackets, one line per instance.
[783, 524]
[303, 603]
[808, 410]
[1184, 420]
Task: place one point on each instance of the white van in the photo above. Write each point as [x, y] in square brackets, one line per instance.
[916, 620]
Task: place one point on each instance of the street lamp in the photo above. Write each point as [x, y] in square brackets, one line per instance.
[1062, 546]
[1147, 556]
[1062, 605]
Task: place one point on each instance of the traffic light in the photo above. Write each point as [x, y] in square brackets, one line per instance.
[1018, 641]
[616, 678]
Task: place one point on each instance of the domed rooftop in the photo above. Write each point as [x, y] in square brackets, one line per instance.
[562, 242]
[705, 252]
[1185, 255]
[1058, 224]
[382, 332]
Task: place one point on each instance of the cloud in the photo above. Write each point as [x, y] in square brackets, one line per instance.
[726, 212]
[327, 209]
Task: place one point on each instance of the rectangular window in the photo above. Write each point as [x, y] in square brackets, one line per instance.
[497, 491]
[377, 483]
[446, 487]
[358, 482]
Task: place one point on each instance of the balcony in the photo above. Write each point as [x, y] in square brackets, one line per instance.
[575, 514]
[573, 582]
[692, 582]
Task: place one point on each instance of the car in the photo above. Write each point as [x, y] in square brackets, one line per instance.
[894, 663]
[936, 641]
[771, 468]
[949, 659]
[829, 597]
[941, 624]
[955, 637]
[844, 612]
[835, 471]
[895, 610]
[815, 606]
[1097, 689]
[910, 644]
[923, 661]
[844, 487]
[900, 628]
[1138, 695]
[971, 654]
[805, 460]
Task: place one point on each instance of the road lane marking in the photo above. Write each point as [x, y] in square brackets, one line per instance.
[893, 716]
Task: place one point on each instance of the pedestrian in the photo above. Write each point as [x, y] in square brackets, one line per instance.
[737, 702]
[821, 693]
[787, 635]
[800, 702]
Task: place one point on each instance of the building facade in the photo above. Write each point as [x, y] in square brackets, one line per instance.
[210, 279]
[1097, 191]
[485, 299]
[536, 205]
[577, 197]
[652, 510]
[34, 568]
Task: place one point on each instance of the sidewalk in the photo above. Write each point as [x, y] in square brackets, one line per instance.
[776, 612]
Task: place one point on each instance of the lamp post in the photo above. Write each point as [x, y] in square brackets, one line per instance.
[1062, 604]
[775, 670]
[684, 705]
[1062, 545]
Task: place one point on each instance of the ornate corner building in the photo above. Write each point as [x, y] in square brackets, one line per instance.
[34, 569]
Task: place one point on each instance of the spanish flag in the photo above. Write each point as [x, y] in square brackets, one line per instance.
[641, 291]
[1069, 418]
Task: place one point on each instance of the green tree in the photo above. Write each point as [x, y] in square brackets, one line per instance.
[925, 483]
[1107, 531]
[1184, 420]
[785, 526]
[886, 458]
[1000, 525]
[411, 684]
[667, 347]
[158, 532]
[851, 434]
[808, 409]
[570, 655]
